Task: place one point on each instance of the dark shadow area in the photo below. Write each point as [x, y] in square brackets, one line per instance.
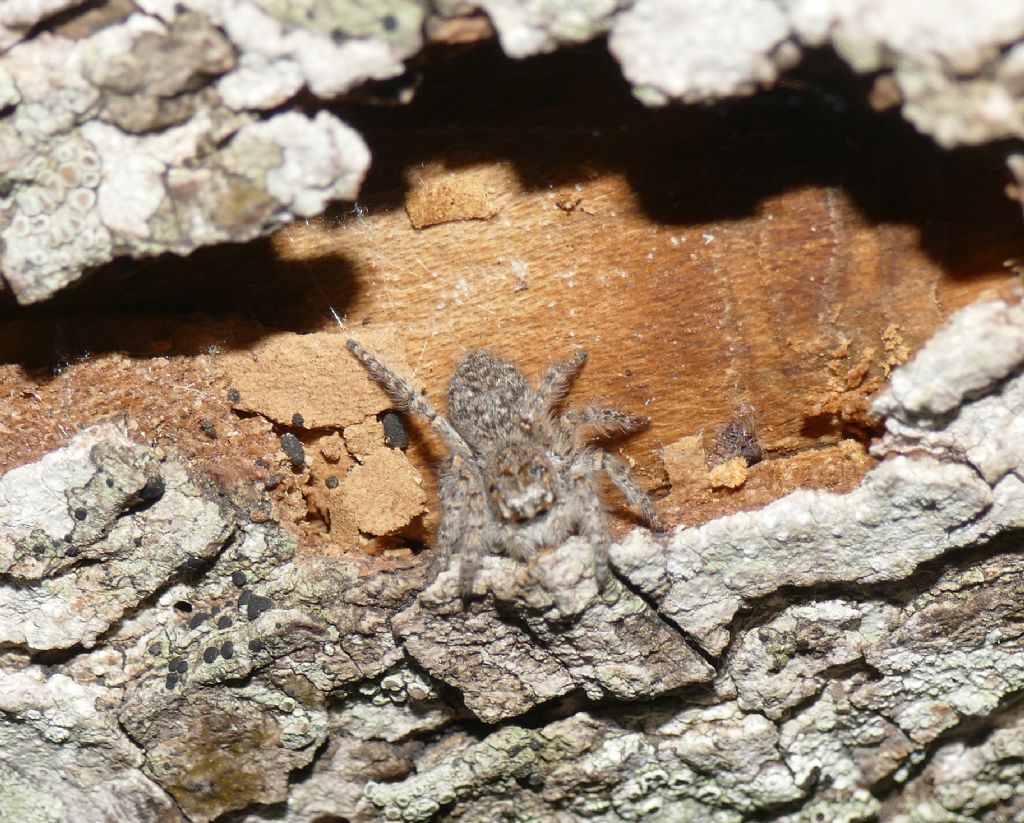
[563, 118]
[558, 119]
[138, 306]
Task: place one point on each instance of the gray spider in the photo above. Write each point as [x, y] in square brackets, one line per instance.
[517, 477]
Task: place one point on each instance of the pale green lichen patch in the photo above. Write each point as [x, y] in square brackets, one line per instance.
[22, 799]
[137, 154]
[100, 498]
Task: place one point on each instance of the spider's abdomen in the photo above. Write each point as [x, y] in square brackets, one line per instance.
[486, 399]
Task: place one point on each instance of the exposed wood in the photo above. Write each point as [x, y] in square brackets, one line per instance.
[777, 253]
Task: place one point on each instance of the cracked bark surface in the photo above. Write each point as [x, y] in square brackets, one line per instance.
[840, 657]
[168, 652]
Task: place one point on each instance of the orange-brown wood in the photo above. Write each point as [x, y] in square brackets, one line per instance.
[782, 253]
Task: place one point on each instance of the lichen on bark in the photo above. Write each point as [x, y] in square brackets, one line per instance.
[166, 126]
[828, 655]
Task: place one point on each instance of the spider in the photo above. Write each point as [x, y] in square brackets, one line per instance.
[518, 477]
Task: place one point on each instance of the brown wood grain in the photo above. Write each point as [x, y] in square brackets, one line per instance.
[694, 295]
[781, 253]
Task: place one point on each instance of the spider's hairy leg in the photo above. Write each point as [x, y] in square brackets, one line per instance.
[606, 421]
[621, 476]
[555, 383]
[591, 461]
[592, 526]
[407, 398]
[463, 530]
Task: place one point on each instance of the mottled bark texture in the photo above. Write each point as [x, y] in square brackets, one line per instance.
[830, 657]
[132, 129]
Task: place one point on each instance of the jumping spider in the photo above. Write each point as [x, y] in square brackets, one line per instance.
[518, 477]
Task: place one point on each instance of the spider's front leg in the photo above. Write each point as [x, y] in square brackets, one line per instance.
[465, 528]
[592, 527]
[602, 422]
[590, 513]
[406, 398]
[606, 421]
[623, 479]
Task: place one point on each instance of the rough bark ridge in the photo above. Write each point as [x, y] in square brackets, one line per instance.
[836, 657]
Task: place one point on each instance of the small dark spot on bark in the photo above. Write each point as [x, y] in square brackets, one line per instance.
[192, 563]
[234, 396]
[74, 551]
[263, 464]
[183, 606]
[239, 578]
[272, 482]
[153, 490]
[337, 36]
[209, 428]
[155, 648]
[298, 421]
[293, 450]
[171, 681]
[81, 513]
[178, 664]
[332, 481]
[137, 541]
[68, 537]
[244, 598]
[389, 22]
[396, 436]
[198, 619]
[257, 605]
[255, 645]
[110, 482]
[224, 623]
[227, 650]
[210, 654]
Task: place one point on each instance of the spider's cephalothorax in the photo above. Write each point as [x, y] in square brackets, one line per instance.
[517, 478]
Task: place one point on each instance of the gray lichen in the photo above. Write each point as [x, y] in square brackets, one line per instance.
[19, 17]
[215, 683]
[101, 498]
[539, 26]
[64, 756]
[171, 127]
[545, 633]
[958, 78]
[959, 75]
[695, 50]
[149, 135]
